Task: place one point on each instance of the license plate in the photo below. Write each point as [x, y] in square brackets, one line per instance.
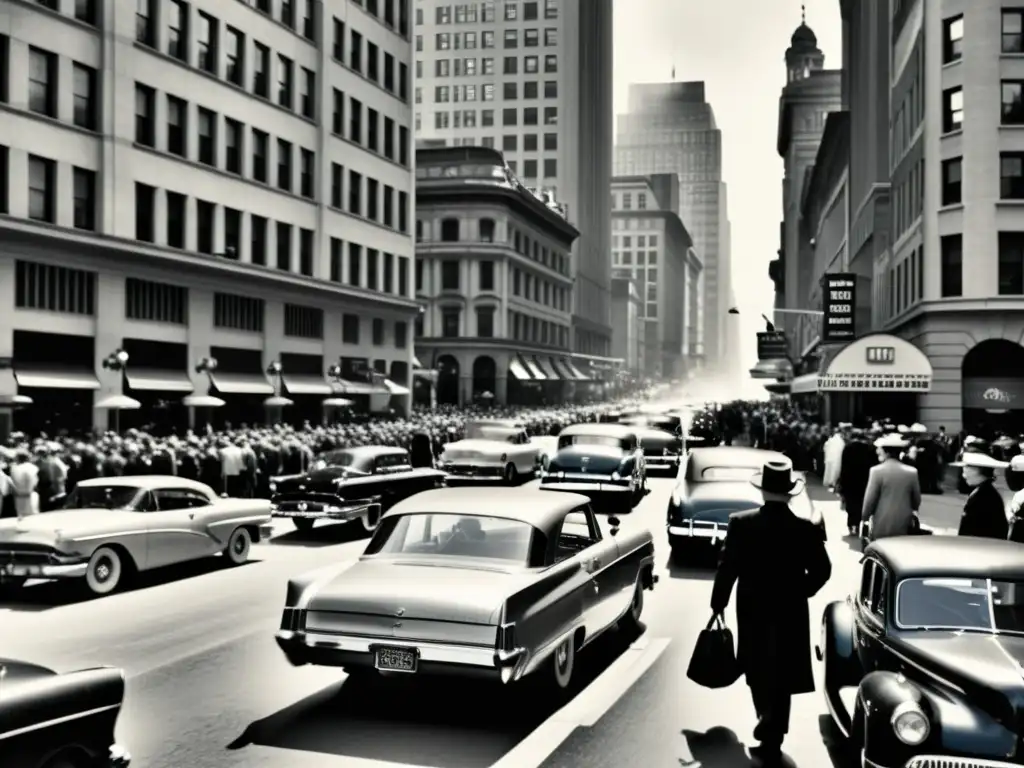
[388, 659]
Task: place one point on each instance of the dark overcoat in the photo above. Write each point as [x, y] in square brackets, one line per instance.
[985, 514]
[777, 562]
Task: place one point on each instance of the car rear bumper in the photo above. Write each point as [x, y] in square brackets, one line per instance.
[470, 472]
[344, 511]
[662, 462]
[698, 530]
[587, 489]
[354, 651]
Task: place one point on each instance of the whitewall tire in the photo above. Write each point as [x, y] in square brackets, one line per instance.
[104, 572]
[563, 662]
[238, 548]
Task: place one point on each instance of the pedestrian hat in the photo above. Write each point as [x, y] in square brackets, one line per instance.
[980, 460]
[777, 479]
[902, 429]
[892, 440]
[1017, 463]
[919, 429]
[845, 425]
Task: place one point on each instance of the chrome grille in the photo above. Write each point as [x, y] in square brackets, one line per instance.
[26, 554]
[937, 761]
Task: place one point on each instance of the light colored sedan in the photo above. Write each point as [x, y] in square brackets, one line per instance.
[462, 581]
[112, 528]
[491, 450]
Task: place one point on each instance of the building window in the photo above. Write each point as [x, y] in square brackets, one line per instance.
[177, 30]
[84, 198]
[42, 175]
[953, 109]
[303, 322]
[952, 39]
[355, 193]
[307, 173]
[306, 252]
[177, 121]
[232, 233]
[145, 210]
[550, 168]
[1011, 263]
[54, 289]
[260, 147]
[206, 59]
[487, 229]
[207, 137]
[232, 145]
[349, 329]
[1013, 102]
[308, 93]
[355, 265]
[952, 260]
[258, 240]
[145, 22]
[486, 275]
[284, 165]
[235, 72]
[206, 214]
[284, 246]
[155, 302]
[145, 115]
[238, 313]
[952, 177]
[176, 220]
[450, 230]
[1011, 175]
[285, 75]
[84, 97]
[450, 323]
[450, 276]
[377, 332]
[260, 80]
[485, 322]
[401, 335]
[42, 82]
[1013, 30]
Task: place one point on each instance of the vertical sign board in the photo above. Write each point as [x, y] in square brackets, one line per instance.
[772, 345]
[840, 302]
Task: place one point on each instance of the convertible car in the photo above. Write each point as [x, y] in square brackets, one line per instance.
[457, 583]
[112, 527]
[50, 720]
[350, 485]
[932, 641]
[714, 483]
[599, 460]
[491, 450]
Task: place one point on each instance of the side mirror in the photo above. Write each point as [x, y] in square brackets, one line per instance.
[614, 522]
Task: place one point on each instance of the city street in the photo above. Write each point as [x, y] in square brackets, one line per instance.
[207, 686]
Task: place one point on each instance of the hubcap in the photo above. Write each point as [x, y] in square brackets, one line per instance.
[562, 656]
[239, 545]
[103, 569]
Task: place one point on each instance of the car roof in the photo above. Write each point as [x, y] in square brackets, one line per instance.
[611, 430]
[511, 423]
[541, 509]
[953, 556]
[149, 482]
[728, 456]
[371, 451]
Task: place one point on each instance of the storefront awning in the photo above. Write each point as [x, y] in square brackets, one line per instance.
[395, 389]
[880, 362]
[47, 377]
[804, 385]
[772, 369]
[576, 372]
[518, 369]
[241, 383]
[546, 367]
[306, 384]
[778, 387]
[564, 371]
[345, 387]
[158, 380]
[533, 368]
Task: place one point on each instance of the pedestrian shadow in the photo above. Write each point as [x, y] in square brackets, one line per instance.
[717, 747]
[854, 542]
[698, 567]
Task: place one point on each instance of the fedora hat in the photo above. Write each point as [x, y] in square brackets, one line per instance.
[919, 429]
[777, 479]
[981, 460]
[892, 440]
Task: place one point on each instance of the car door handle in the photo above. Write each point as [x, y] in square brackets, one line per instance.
[191, 515]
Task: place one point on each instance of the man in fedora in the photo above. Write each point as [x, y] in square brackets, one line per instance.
[893, 493]
[778, 561]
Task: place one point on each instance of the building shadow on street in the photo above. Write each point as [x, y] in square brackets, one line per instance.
[326, 534]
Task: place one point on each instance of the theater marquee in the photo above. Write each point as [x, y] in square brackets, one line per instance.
[878, 363]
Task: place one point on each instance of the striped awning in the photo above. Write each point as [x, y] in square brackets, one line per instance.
[546, 367]
[306, 384]
[395, 389]
[55, 377]
[518, 369]
[576, 372]
[154, 380]
[345, 387]
[533, 368]
[241, 383]
[564, 371]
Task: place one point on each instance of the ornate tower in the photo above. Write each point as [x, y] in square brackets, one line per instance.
[803, 55]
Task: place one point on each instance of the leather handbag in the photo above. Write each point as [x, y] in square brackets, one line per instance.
[714, 663]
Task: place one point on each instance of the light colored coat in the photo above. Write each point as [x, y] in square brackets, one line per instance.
[25, 480]
[833, 450]
[892, 497]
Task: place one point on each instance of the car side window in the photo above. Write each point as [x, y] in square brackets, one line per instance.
[866, 574]
[879, 592]
[575, 535]
[172, 499]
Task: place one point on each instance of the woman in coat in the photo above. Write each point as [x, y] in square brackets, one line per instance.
[984, 512]
[421, 450]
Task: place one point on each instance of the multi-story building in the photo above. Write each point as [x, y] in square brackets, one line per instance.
[670, 128]
[651, 246]
[493, 273]
[187, 181]
[627, 325]
[533, 80]
[810, 94]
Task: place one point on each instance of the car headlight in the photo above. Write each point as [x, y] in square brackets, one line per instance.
[910, 724]
[273, 486]
[616, 477]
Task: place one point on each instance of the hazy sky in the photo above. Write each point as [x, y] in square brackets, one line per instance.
[736, 47]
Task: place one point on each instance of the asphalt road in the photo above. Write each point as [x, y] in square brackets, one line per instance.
[208, 688]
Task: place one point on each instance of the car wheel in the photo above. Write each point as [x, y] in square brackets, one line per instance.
[563, 661]
[103, 574]
[304, 524]
[631, 620]
[239, 545]
[511, 474]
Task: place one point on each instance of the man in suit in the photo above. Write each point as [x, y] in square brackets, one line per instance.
[857, 459]
[893, 494]
[778, 561]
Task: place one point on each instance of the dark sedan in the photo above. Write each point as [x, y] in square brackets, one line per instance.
[602, 461]
[52, 720]
[350, 485]
[715, 483]
[662, 450]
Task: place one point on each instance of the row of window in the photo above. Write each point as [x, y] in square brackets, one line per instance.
[1011, 35]
[471, 41]
[445, 94]
[1012, 108]
[531, 116]
[43, 94]
[521, 327]
[470, 13]
[85, 11]
[66, 290]
[367, 60]
[623, 201]
[1011, 178]
[451, 230]
[1010, 264]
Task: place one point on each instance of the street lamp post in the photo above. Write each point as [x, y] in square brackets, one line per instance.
[116, 361]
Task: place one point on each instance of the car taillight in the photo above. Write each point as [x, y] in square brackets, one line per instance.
[506, 638]
[293, 619]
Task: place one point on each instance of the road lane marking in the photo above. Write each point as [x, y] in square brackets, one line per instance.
[588, 707]
[345, 761]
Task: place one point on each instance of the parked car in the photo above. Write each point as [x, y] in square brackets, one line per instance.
[932, 640]
[713, 484]
[460, 581]
[603, 461]
[113, 527]
[491, 450]
[350, 485]
[52, 720]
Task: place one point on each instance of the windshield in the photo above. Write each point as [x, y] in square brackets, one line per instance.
[334, 459]
[491, 432]
[971, 604]
[611, 442]
[447, 535]
[104, 497]
[712, 474]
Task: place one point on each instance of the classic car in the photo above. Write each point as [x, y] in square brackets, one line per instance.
[350, 485]
[669, 422]
[52, 720]
[713, 483]
[662, 450]
[113, 527]
[932, 643]
[455, 582]
[598, 460]
[492, 450]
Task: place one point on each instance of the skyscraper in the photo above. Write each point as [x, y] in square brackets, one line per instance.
[670, 128]
[534, 80]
